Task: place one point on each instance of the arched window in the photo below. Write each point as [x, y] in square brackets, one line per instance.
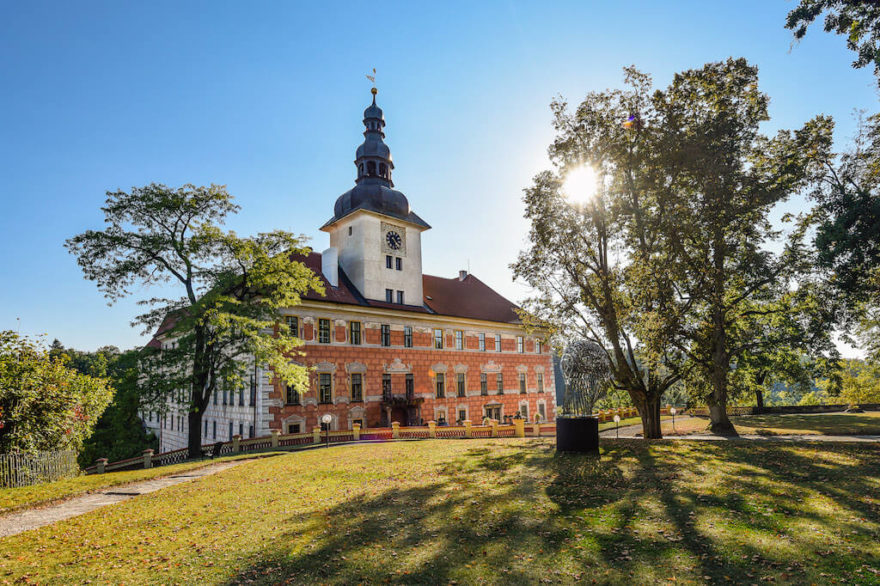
[371, 168]
[382, 169]
[361, 169]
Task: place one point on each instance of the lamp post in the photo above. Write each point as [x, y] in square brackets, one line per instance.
[326, 419]
[616, 426]
[672, 412]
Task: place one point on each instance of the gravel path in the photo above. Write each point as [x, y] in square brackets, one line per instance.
[21, 521]
[630, 431]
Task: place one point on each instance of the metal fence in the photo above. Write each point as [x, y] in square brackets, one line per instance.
[20, 469]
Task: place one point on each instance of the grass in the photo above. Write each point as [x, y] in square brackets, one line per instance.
[12, 499]
[867, 423]
[487, 511]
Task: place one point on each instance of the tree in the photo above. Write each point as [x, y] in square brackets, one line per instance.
[861, 382]
[120, 432]
[598, 268]
[45, 405]
[858, 20]
[232, 290]
[723, 179]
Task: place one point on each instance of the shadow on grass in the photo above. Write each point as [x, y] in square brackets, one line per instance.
[820, 423]
[644, 511]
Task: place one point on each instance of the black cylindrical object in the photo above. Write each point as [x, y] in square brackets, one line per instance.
[577, 434]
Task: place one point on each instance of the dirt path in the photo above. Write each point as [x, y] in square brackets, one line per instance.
[21, 521]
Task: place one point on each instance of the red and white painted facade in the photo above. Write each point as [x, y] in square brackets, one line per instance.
[387, 342]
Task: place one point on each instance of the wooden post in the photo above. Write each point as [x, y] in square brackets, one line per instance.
[395, 430]
[102, 463]
[236, 443]
[356, 431]
[468, 432]
[275, 433]
[432, 429]
[316, 435]
[494, 423]
[148, 458]
[536, 429]
[519, 427]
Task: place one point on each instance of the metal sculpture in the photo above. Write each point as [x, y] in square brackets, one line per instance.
[586, 369]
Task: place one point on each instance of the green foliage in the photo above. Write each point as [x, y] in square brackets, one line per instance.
[232, 289]
[857, 20]
[860, 382]
[45, 404]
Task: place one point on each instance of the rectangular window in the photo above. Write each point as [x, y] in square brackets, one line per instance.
[438, 339]
[215, 397]
[462, 414]
[499, 384]
[389, 295]
[325, 388]
[459, 340]
[440, 382]
[386, 387]
[387, 261]
[410, 387]
[482, 342]
[540, 382]
[230, 430]
[398, 264]
[354, 332]
[386, 335]
[215, 430]
[292, 395]
[293, 428]
[324, 331]
[224, 397]
[498, 342]
[357, 387]
[539, 347]
[520, 347]
[241, 429]
[484, 384]
[522, 383]
[407, 336]
[459, 383]
[542, 411]
[400, 297]
[241, 396]
[253, 390]
[251, 431]
[292, 325]
[524, 411]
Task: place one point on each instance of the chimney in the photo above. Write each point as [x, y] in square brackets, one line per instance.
[462, 275]
[330, 266]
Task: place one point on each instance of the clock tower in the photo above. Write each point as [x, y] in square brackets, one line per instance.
[375, 234]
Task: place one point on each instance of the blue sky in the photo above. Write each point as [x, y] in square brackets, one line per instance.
[266, 98]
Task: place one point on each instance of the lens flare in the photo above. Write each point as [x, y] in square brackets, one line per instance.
[581, 184]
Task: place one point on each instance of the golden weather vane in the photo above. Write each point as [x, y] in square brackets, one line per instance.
[372, 78]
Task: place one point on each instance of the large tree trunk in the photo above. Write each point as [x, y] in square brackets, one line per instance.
[719, 422]
[649, 411]
[194, 438]
[759, 400]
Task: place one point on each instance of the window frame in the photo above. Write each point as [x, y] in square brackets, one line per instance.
[400, 298]
[520, 344]
[359, 384]
[484, 384]
[438, 338]
[539, 377]
[292, 325]
[459, 339]
[292, 392]
[482, 342]
[321, 386]
[388, 262]
[385, 335]
[499, 383]
[352, 332]
[498, 342]
[523, 383]
[389, 295]
[321, 321]
[398, 263]
[460, 384]
[407, 337]
[440, 385]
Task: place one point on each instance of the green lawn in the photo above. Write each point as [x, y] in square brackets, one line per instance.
[30, 496]
[491, 511]
[867, 423]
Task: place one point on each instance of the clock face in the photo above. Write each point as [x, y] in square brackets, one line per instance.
[393, 240]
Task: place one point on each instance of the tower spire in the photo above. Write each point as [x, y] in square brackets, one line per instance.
[373, 157]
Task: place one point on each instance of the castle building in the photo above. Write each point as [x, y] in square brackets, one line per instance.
[388, 343]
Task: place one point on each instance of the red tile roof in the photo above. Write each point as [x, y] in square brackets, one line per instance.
[468, 297]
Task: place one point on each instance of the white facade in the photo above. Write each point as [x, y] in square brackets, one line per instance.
[362, 241]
